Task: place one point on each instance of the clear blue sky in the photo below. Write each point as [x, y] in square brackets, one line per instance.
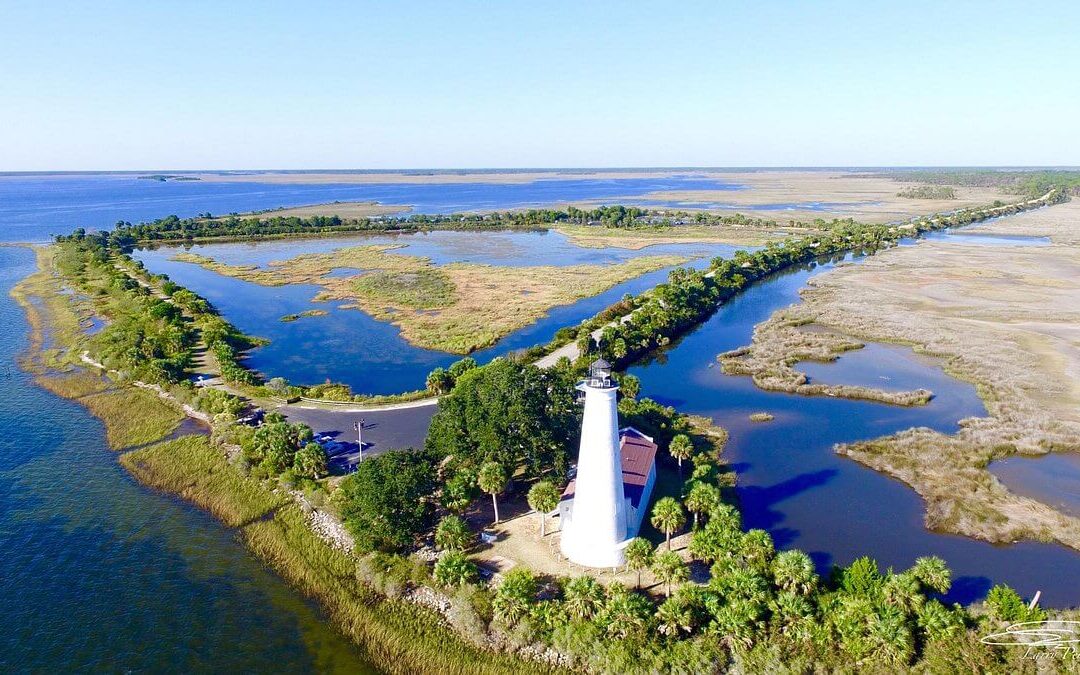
[182, 85]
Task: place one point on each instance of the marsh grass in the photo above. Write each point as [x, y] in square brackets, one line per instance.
[779, 343]
[456, 308]
[194, 469]
[289, 318]
[638, 238]
[400, 636]
[427, 288]
[75, 384]
[133, 416]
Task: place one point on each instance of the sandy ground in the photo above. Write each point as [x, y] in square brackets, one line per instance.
[866, 199]
[1004, 317]
[519, 543]
[345, 210]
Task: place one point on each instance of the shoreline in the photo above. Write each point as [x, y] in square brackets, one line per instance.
[956, 302]
[401, 636]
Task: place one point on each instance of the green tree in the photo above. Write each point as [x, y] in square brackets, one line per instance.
[543, 497]
[793, 571]
[514, 414]
[453, 534]
[681, 447]
[1005, 604]
[439, 381]
[583, 597]
[492, 480]
[454, 569]
[639, 555]
[933, 573]
[668, 517]
[703, 498]
[629, 385]
[386, 501]
[460, 491]
[626, 614]
[514, 596]
[670, 569]
[310, 461]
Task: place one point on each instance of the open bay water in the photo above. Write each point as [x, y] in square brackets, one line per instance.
[36, 207]
[99, 573]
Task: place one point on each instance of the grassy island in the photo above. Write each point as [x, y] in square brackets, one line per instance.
[719, 597]
[457, 308]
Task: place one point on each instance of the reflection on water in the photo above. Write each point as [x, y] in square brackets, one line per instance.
[98, 573]
[1053, 479]
[350, 346]
[793, 484]
[880, 366]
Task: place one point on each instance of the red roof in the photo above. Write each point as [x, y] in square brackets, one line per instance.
[638, 457]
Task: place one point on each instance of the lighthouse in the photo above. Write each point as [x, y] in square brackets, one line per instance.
[594, 520]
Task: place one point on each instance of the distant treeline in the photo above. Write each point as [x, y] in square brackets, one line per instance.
[174, 228]
[690, 296]
[1030, 183]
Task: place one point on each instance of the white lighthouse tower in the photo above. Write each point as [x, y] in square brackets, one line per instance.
[595, 530]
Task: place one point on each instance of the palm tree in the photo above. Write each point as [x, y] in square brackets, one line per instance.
[670, 569]
[703, 498]
[514, 596]
[453, 534]
[543, 497]
[454, 569]
[492, 480]
[668, 516]
[793, 571]
[639, 555]
[681, 448]
[584, 597]
[933, 573]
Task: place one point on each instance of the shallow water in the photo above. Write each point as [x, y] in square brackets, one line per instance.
[98, 573]
[1053, 479]
[793, 484]
[350, 346]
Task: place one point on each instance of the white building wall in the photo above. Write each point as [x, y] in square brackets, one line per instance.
[597, 526]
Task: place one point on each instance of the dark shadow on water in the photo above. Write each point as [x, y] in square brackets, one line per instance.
[966, 590]
[757, 501]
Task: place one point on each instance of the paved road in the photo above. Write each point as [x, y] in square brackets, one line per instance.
[383, 430]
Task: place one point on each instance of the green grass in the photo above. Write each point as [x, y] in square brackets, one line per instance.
[289, 318]
[197, 471]
[423, 288]
[399, 636]
[133, 416]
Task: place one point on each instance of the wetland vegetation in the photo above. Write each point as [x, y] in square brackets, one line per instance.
[758, 610]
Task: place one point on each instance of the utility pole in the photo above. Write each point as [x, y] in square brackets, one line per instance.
[359, 427]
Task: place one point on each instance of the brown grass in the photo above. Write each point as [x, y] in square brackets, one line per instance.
[778, 344]
[456, 308]
[1006, 319]
[867, 199]
[636, 239]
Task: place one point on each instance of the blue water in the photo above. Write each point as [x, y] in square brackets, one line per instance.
[350, 346]
[33, 208]
[100, 574]
[793, 484]
[1053, 479]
